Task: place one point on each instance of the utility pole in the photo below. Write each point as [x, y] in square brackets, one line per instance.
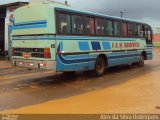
[121, 14]
[66, 3]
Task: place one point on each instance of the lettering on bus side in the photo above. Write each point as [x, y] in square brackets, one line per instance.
[125, 45]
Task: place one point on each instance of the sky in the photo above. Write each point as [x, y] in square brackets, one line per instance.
[142, 10]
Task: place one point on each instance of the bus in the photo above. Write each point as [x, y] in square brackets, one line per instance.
[54, 37]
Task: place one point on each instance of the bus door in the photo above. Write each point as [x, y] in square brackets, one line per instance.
[148, 35]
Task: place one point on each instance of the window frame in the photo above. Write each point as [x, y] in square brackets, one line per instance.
[57, 22]
[151, 34]
[124, 22]
[120, 28]
[73, 14]
[102, 18]
[87, 16]
[143, 30]
[107, 19]
[134, 36]
[98, 18]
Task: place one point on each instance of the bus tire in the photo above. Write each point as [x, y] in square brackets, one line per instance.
[141, 62]
[100, 66]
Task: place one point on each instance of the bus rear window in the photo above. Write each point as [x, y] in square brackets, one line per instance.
[64, 23]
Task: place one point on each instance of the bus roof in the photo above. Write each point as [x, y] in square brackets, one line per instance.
[69, 9]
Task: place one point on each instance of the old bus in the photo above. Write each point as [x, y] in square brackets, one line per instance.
[49, 36]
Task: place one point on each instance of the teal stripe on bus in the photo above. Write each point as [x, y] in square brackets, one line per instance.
[29, 25]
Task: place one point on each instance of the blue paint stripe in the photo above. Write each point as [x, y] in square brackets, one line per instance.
[30, 37]
[71, 57]
[36, 39]
[84, 46]
[93, 39]
[30, 25]
[106, 45]
[84, 56]
[110, 56]
[123, 56]
[33, 38]
[124, 53]
[61, 46]
[63, 60]
[31, 22]
[96, 45]
[46, 37]
[73, 61]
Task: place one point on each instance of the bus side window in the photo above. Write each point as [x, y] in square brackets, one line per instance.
[100, 27]
[77, 24]
[135, 32]
[89, 26]
[64, 23]
[124, 29]
[108, 27]
[117, 28]
[140, 31]
[130, 30]
[148, 34]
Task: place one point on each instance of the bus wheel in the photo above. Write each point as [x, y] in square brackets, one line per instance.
[100, 66]
[141, 62]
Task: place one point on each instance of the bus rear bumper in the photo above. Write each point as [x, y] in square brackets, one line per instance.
[35, 64]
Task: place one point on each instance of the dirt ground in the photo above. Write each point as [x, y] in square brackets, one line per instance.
[128, 89]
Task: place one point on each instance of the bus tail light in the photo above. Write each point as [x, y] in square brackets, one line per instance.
[60, 52]
[47, 53]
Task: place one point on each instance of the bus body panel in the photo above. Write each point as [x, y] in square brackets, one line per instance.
[118, 51]
[34, 19]
[33, 33]
[34, 45]
[34, 30]
[39, 44]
